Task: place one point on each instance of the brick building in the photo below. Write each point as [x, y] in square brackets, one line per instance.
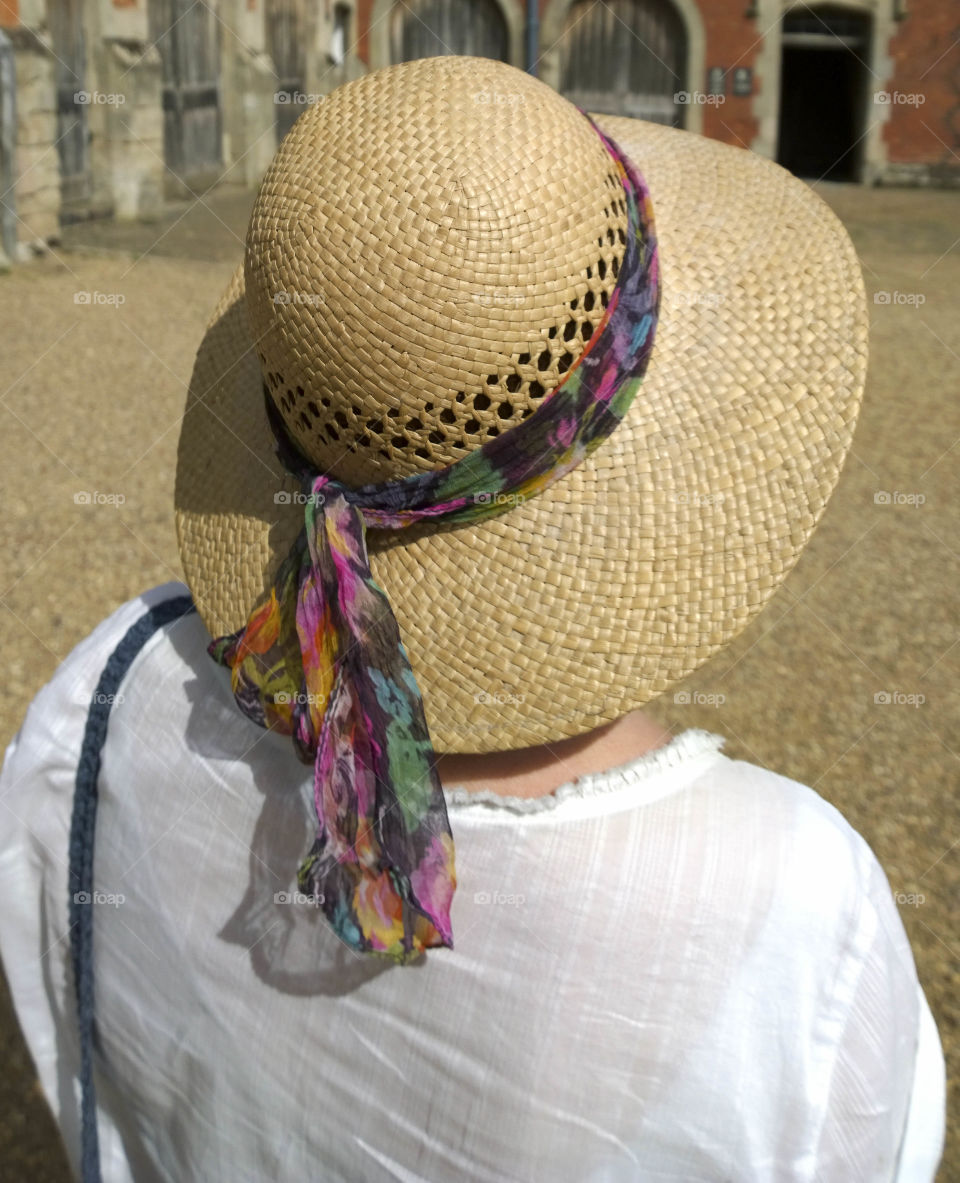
[113, 106]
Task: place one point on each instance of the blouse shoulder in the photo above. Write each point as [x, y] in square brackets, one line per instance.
[52, 727]
[828, 863]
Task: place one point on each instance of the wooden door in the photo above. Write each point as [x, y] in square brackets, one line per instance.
[187, 34]
[429, 28]
[73, 105]
[625, 57]
[287, 45]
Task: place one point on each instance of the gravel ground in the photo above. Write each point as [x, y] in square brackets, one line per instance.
[91, 402]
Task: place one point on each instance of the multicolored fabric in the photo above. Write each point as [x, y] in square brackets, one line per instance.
[321, 657]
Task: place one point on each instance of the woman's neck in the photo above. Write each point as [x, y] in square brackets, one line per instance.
[534, 772]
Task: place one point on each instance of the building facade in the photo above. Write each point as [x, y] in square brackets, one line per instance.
[112, 107]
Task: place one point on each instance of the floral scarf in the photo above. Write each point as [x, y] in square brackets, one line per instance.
[321, 659]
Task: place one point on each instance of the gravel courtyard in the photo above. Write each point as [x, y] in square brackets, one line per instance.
[91, 395]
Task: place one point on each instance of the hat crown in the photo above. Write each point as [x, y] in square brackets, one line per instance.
[430, 251]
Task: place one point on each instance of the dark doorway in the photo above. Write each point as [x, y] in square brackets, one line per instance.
[824, 83]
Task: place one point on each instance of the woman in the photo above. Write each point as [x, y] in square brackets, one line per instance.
[502, 925]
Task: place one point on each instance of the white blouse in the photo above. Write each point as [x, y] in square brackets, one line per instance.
[685, 968]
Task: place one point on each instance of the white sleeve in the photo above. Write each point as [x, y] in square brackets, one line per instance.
[925, 1131]
[889, 1025]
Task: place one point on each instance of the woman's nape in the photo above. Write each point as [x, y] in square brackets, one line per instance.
[537, 771]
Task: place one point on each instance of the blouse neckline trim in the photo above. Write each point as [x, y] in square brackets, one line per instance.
[683, 748]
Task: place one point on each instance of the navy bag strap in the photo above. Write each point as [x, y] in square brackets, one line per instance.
[82, 832]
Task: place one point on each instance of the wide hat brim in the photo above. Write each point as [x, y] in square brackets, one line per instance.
[618, 580]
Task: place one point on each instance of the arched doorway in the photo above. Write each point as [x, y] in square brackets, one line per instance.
[429, 28]
[625, 57]
[824, 88]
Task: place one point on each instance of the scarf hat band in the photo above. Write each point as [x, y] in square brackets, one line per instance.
[321, 659]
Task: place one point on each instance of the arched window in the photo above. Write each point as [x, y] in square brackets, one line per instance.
[428, 28]
[625, 57]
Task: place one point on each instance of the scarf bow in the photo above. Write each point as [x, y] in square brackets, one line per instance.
[321, 659]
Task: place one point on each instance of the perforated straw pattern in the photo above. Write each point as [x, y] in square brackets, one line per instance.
[414, 289]
[620, 579]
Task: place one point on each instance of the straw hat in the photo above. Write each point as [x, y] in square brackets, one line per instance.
[430, 250]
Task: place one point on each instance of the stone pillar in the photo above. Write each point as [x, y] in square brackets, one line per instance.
[127, 143]
[323, 72]
[248, 85]
[8, 140]
[36, 165]
[125, 75]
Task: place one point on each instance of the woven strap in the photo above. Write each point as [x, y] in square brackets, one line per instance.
[82, 831]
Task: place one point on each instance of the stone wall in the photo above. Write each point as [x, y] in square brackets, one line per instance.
[247, 86]
[913, 50]
[8, 139]
[36, 167]
[127, 131]
[122, 88]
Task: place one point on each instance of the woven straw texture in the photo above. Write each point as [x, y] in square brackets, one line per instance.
[430, 250]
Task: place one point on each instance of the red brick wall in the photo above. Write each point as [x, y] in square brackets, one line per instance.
[364, 11]
[732, 40]
[9, 13]
[926, 63]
